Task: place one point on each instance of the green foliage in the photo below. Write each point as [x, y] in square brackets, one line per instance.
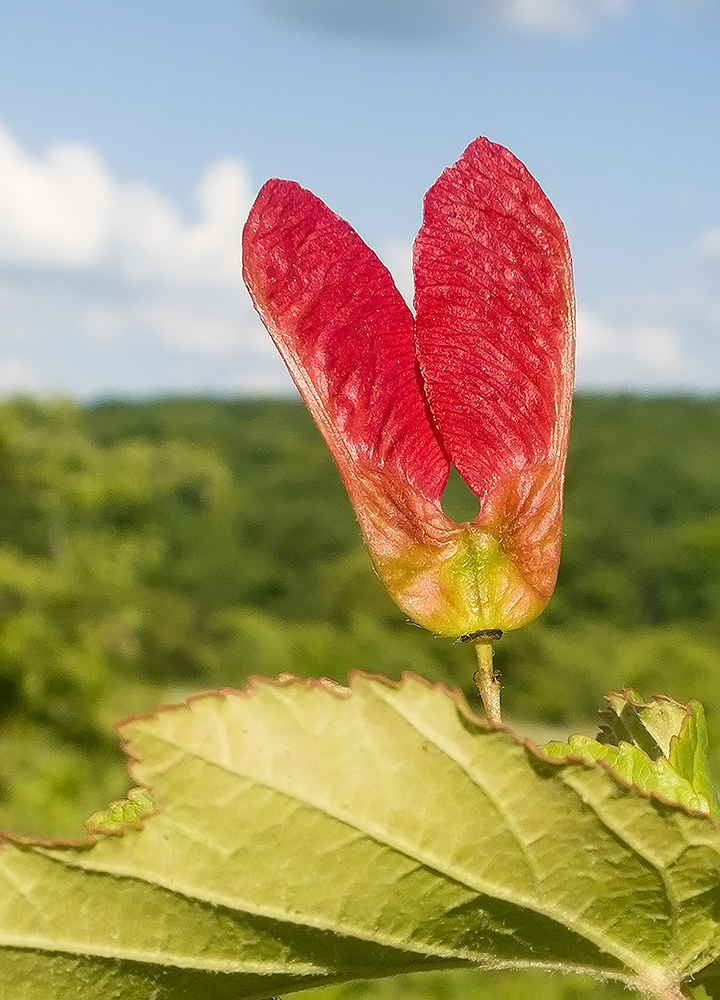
[91, 625]
[130, 811]
[309, 834]
[659, 746]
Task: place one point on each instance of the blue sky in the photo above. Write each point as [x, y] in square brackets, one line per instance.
[134, 135]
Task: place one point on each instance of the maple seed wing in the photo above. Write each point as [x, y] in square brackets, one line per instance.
[345, 333]
[495, 317]
[495, 342]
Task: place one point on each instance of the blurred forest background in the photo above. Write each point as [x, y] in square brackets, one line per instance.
[149, 550]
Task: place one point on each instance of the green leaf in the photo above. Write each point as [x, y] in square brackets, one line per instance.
[309, 834]
[689, 755]
[650, 726]
[130, 811]
[660, 746]
[634, 767]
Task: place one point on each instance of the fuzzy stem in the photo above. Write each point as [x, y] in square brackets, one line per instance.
[487, 681]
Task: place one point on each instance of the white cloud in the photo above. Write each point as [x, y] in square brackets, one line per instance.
[101, 323]
[628, 354]
[65, 210]
[17, 377]
[54, 211]
[96, 268]
[562, 16]
[429, 19]
[710, 243]
[150, 243]
[191, 321]
[188, 324]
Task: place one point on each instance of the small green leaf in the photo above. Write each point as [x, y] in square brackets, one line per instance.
[659, 746]
[127, 812]
[689, 756]
[308, 834]
[650, 726]
[635, 767]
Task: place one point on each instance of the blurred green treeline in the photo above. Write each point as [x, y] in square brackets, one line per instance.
[148, 550]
